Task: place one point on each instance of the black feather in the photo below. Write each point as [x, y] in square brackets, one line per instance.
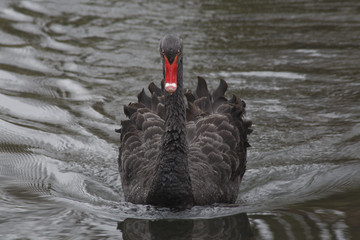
[155, 89]
[144, 99]
[202, 90]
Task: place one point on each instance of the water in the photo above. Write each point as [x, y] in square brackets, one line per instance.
[68, 67]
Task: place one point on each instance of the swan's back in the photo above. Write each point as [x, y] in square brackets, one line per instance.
[217, 140]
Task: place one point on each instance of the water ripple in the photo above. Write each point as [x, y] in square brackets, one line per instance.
[33, 110]
[13, 15]
[24, 59]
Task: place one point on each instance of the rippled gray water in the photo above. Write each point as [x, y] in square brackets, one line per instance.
[68, 67]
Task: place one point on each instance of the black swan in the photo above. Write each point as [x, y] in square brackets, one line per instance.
[178, 155]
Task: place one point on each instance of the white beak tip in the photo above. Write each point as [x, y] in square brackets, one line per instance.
[170, 87]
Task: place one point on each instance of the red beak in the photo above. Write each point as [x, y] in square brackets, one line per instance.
[170, 75]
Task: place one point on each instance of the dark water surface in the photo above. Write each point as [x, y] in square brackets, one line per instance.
[68, 67]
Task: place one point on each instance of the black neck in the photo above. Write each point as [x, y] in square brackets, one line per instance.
[171, 186]
[175, 106]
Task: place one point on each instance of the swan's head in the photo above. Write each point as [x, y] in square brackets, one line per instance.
[171, 53]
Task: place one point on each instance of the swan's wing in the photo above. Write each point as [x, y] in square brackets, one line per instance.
[139, 146]
[217, 136]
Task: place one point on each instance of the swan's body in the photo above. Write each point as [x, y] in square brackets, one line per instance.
[174, 155]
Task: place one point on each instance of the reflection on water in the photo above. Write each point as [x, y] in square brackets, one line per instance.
[231, 227]
[68, 67]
